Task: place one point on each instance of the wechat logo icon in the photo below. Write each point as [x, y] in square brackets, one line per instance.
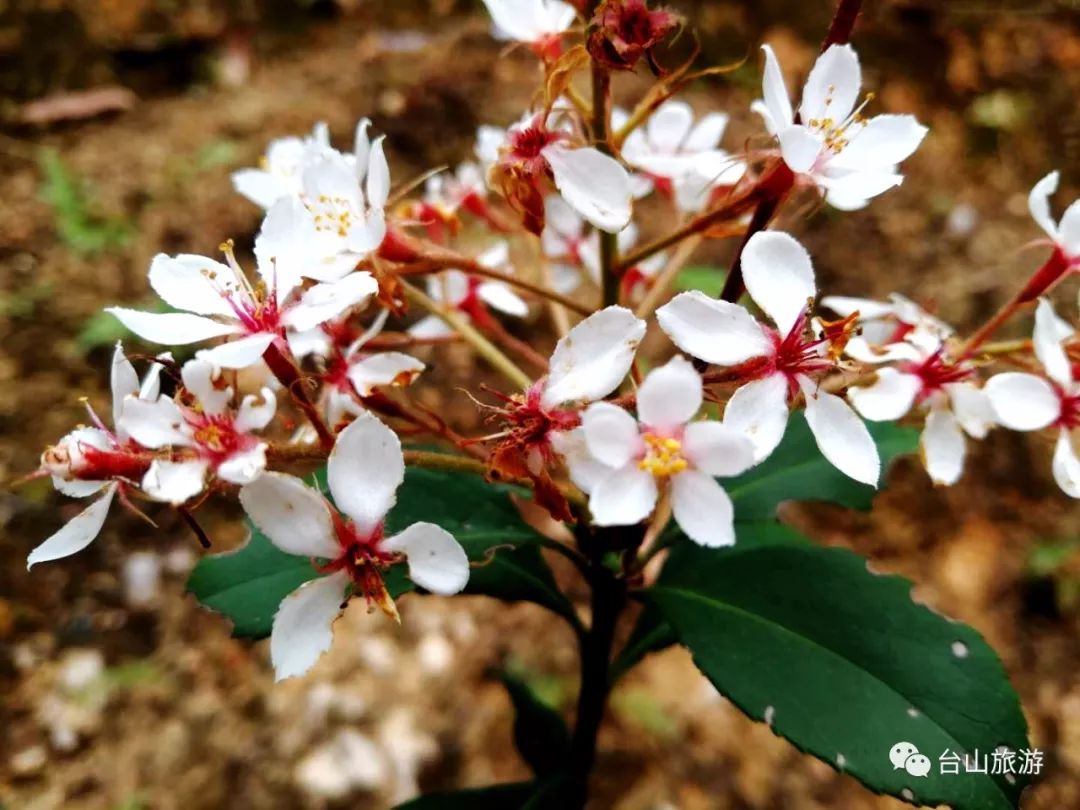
[905, 756]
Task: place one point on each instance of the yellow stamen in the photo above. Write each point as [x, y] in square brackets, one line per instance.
[663, 456]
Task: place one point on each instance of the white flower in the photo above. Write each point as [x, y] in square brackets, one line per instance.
[533, 153]
[851, 158]
[471, 295]
[883, 324]
[348, 371]
[92, 460]
[365, 469]
[1066, 233]
[216, 300]
[684, 155]
[279, 175]
[780, 279]
[1029, 402]
[633, 458]
[220, 440]
[535, 22]
[567, 241]
[926, 377]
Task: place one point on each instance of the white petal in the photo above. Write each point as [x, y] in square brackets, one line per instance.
[859, 349]
[669, 125]
[717, 449]
[385, 368]
[775, 95]
[623, 498]
[714, 331]
[199, 377]
[76, 487]
[611, 434]
[431, 326]
[365, 469]
[1023, 401]
[707, 133]
[881, 143]
[243, 467]
[779, 277]
[561, 222]
[759, 411]
[326, 301]
[302, 625]
[154, 424]
[255, 415]
[437, 562]
[841, 436]
[77, 533]
[291, 514]
[832, 86]
[594, 184]
[1066, 465]
[499, 296]
[193, 283]
[123, 381]
[972, 408]
[1050, 331]
[585, 471]
[1039, 204]
[942, 446]
[800, 148]
[888, 398]
[174, 481]
[592, 359]
[759, 107]
[310, 341]
[1069, 229]
[854, 190]
[702, 509]
[670, 396]
[378, 175]
[171, 328]
[868, 309]
[262, 188]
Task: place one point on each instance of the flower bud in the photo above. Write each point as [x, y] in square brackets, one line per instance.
[624, 31]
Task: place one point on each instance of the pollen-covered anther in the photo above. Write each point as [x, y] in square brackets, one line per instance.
[663, 456]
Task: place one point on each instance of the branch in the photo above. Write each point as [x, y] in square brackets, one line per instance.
[485, 348]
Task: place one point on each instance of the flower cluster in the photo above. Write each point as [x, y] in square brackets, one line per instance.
[352, 298]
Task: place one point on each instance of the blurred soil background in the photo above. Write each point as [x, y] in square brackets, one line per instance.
[118, 693]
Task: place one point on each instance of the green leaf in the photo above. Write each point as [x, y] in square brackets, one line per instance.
[540, 734]
[248, 584]
[651, 632]
[483, 519]
[797, 471]
[495, 797]
[843, 664]
[709, 280]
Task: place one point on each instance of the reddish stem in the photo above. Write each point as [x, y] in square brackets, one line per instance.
[773, 188]
[284, 368]
[843, 22]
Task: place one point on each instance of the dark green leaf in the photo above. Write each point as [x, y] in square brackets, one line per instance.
[652, 633]
[843, 664]
[797, 471]
[495, 797]
[248, 584]
[539, 731]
